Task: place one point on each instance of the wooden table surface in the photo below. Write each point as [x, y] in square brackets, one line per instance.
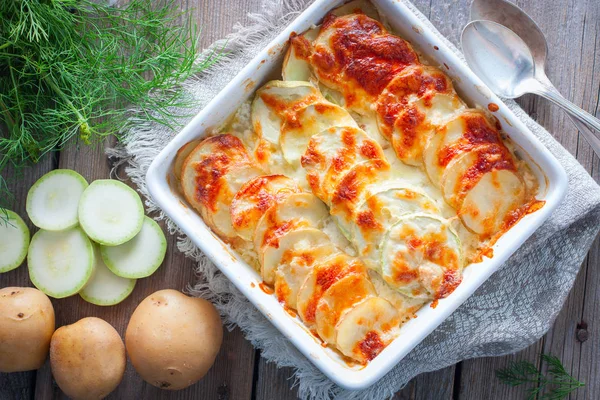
[572, 28]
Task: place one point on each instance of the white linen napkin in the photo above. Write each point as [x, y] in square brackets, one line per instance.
[512, 310]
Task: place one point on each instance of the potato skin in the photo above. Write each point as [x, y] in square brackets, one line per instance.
[87, 358]
[26, 326]
[172, 340]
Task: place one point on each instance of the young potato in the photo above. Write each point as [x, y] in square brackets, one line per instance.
[87, 358]
[172, 339]
[26, 326]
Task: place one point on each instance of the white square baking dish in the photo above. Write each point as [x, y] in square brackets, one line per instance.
[553, 186]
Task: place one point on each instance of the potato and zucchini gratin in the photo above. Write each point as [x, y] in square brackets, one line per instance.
[360, 185]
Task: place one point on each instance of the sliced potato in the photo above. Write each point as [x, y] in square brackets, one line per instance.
[338, 299]
[216, 152]
[254, 198]
[226, 146]
[218, 213]
[356, 56]
[353, 188]
[293, 241]
[183, 152]
[212, 174]
[332, 153]
[417, 123]
[421, 257]
[307, 122]
[469, 129]
[465, 170]
[374, 217]
[487, 206]
[295, 211]
[406, 306]
[302, 249]
[274, 101]
[291, 274]
[413, 83]
[364, 331]
[295, 64]
[324, 274]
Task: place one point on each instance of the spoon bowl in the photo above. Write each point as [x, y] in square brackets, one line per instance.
[504, 62]
[499, 57]
[517, 20]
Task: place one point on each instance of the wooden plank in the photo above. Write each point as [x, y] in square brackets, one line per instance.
[434, 385]
[275, 383]
[21, 384]
[572, 336]
[577, 78]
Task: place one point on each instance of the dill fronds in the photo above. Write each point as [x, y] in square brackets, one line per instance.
[74, 67]
[555, 386]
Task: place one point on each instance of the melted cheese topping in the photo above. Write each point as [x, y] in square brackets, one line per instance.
[355, 55]
[255, 197]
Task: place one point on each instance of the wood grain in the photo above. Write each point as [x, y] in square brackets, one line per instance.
[573, 31]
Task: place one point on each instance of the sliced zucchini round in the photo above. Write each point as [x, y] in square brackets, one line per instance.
[255, 197]
[411, 84]
[337, 300]
[14, 240]
[332, 153]
[366, 329]
[353, 188]
[421, 257]
[295, 64]
[324, 274]
[52, 201]
[374, 217]
[489, 203]
[141, 256]
[274, 101]
[110, 212]
[295, 211]
[291, 242]
[295, 267]
[417, 123]
[468, 129]
[307, 122]
[105, 288]
[60, 263]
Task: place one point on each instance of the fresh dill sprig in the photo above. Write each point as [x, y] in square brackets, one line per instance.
[555, 386]
[78, 67]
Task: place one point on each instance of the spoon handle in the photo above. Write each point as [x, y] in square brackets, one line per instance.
[591, 137]
[569, 107]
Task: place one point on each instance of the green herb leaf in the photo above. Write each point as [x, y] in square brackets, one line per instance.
[557, 384]
[77, 67]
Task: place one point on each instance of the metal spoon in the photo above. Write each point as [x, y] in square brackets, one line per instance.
[505, 63]
[517, 20]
